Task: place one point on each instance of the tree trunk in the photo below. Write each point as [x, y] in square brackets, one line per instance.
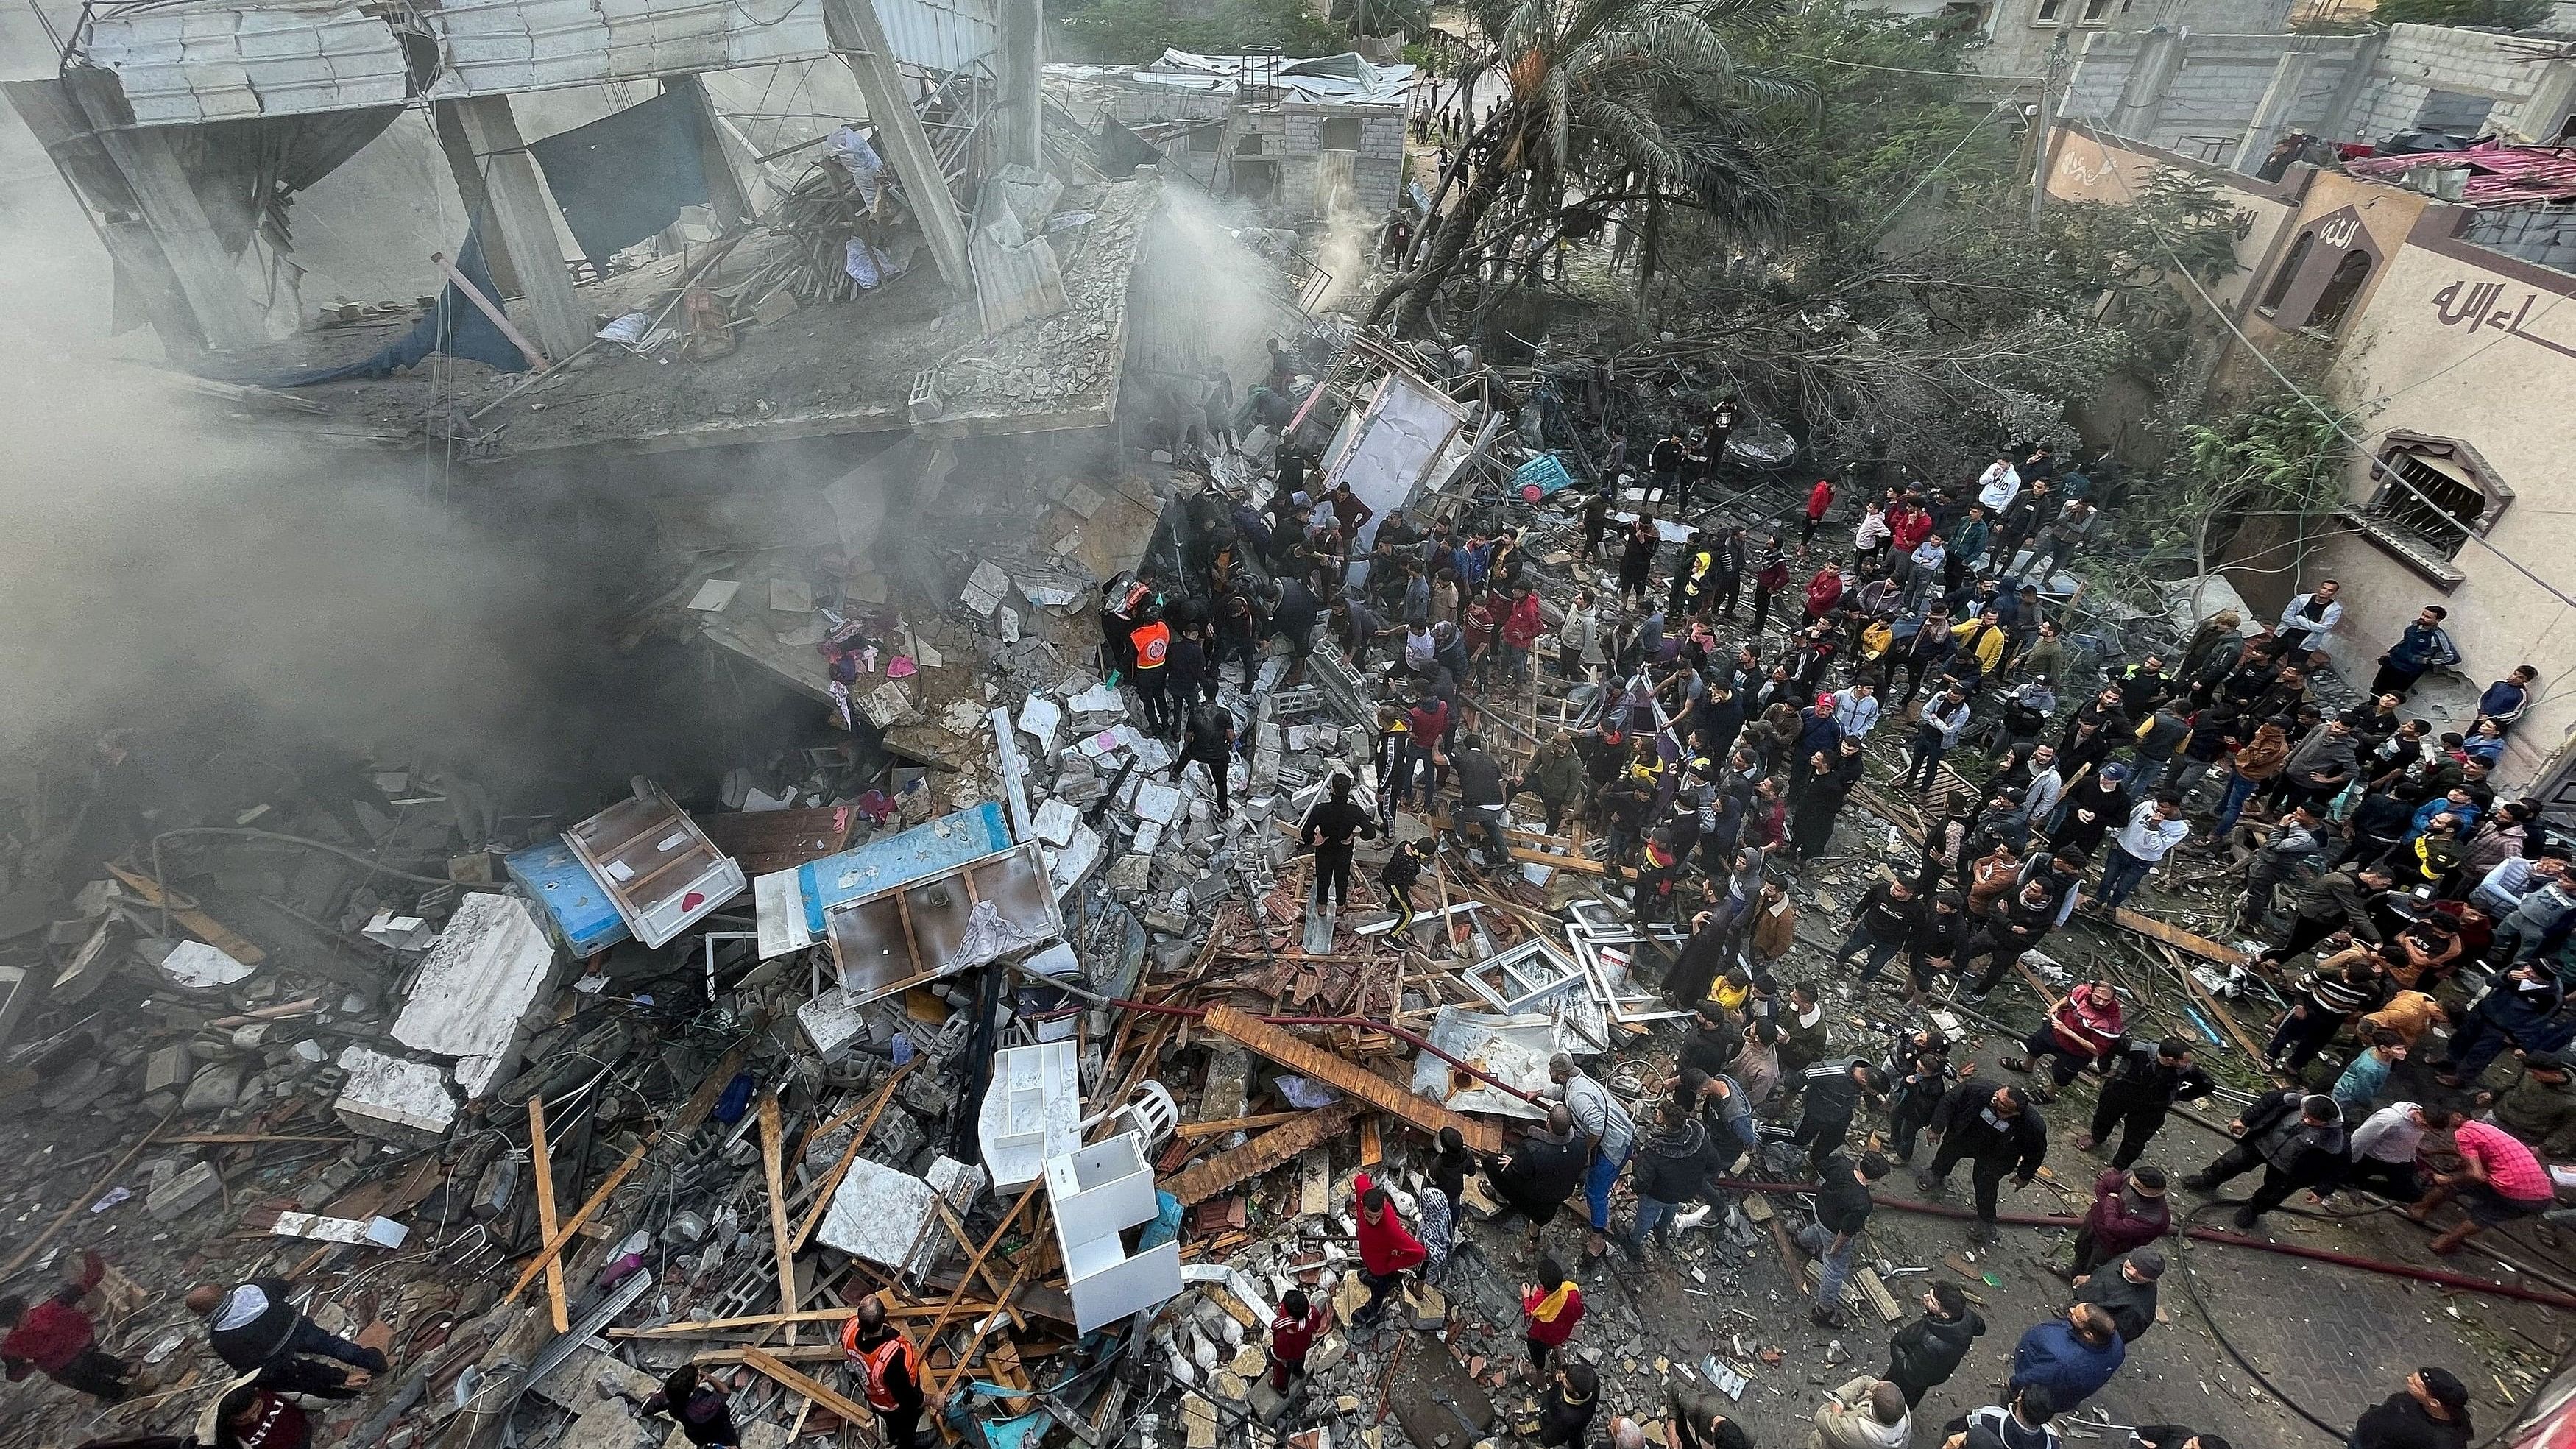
[1457, 229]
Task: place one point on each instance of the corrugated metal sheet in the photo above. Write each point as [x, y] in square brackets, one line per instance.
[2499, 175]
[222, 61]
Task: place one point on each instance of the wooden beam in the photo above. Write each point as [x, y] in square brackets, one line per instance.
[956, 1299]
[1350, 1079]
[1193, 1131]
[542, 1166]
[769, 1365]
[707, 1327]
[200, 925]
[1261, 1154]
[691, 1113]
[2176, 936]
[774, 1171]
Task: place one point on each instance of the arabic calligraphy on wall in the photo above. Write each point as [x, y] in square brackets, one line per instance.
[2479, 306]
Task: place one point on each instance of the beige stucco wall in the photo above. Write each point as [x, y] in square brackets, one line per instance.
[2514, 400]
[2086, 168]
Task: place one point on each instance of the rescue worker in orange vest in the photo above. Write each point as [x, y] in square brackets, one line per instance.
[885, 1361]
[1154, 646]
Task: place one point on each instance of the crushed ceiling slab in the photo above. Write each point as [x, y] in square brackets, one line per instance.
[490, 969]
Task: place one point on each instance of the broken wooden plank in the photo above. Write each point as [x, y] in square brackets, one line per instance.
[200, 925]
[1300, 1056]
[769, 1365]
[774, 1172]
[2209, 1003]
[1372, 1148]
[1193, 1131]
[542, 1164]
[1261, 1154]
[706, 1327]
[2177, 937]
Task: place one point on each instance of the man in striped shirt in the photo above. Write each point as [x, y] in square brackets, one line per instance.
[2499, 1180]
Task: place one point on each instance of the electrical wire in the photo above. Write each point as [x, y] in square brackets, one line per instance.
[2191, 1290]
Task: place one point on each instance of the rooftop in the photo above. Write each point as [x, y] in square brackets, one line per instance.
[1348, 78]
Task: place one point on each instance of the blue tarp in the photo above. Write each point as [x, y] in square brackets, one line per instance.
[454, 326]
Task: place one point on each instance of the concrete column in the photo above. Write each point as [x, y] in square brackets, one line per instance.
[470, 189]
[2356, 83]
[2274, 112]
[860, 37]
[724, 188]
[1020, 109]
[2142, 100]
[523, 213]
[2545, 111]
[55, 119]
[197, 266]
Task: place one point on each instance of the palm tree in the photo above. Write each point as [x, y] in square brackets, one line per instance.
[1610, 102]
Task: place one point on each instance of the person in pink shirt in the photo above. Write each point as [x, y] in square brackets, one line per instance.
[2499, 1180]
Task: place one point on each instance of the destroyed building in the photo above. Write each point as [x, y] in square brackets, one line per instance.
[1296, 141]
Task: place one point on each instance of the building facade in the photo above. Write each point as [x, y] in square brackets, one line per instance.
[2454, 364]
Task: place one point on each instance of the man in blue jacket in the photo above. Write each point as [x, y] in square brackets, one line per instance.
[2072, 1357]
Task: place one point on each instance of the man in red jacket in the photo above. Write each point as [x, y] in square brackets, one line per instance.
[60, 1339]
[1293, 1331]
[1819, 498]
[1387, 1247]
[1553, 1306]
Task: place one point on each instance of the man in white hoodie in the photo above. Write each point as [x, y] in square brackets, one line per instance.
[1998, 486]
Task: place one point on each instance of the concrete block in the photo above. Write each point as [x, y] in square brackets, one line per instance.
[168, 1068]
[214, 1088]
[183, 1193]
[390, 1097]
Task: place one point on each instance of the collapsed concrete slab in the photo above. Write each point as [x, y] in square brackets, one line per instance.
[488, 972]
[389, 1097]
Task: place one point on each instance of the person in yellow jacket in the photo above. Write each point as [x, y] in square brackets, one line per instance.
[1980, 639]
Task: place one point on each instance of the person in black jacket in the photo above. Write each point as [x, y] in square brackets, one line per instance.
[1843, 1207]
[1672, 1165]
[2297, 1139]
[1882, 925]
[254, 1327]
[2125, 1288]
[2145, 1081]
[1833, 1090]
[1997, 1131]
[1537, 1180]
[2431, 1413]
[2013, 926]
[1918, 1073]
[1924, 1353]
[1211, 743]
[1333, 828]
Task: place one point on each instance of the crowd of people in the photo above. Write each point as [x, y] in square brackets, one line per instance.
[1727, 679]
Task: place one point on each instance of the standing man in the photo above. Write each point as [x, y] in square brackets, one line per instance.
[1333, 828]
[1387, 1247]
[1834, 1088]
[1865, 1413]
[1924, 1353]
[2125, 1288]
[2431, 1412]
[889, 1369]
[2425, 645]
[2298, 1141]
[1152, 641]
[2129, 1211]
[2309, 619]
[1998, 1132]
[1939, 728]
[1599, 1116]
[1842, 1209]
[2146, 1080]
[2070, 1357]
[57, 1338]
[2154, 829]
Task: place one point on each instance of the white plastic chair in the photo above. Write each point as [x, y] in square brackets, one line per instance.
[1150, 1111]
